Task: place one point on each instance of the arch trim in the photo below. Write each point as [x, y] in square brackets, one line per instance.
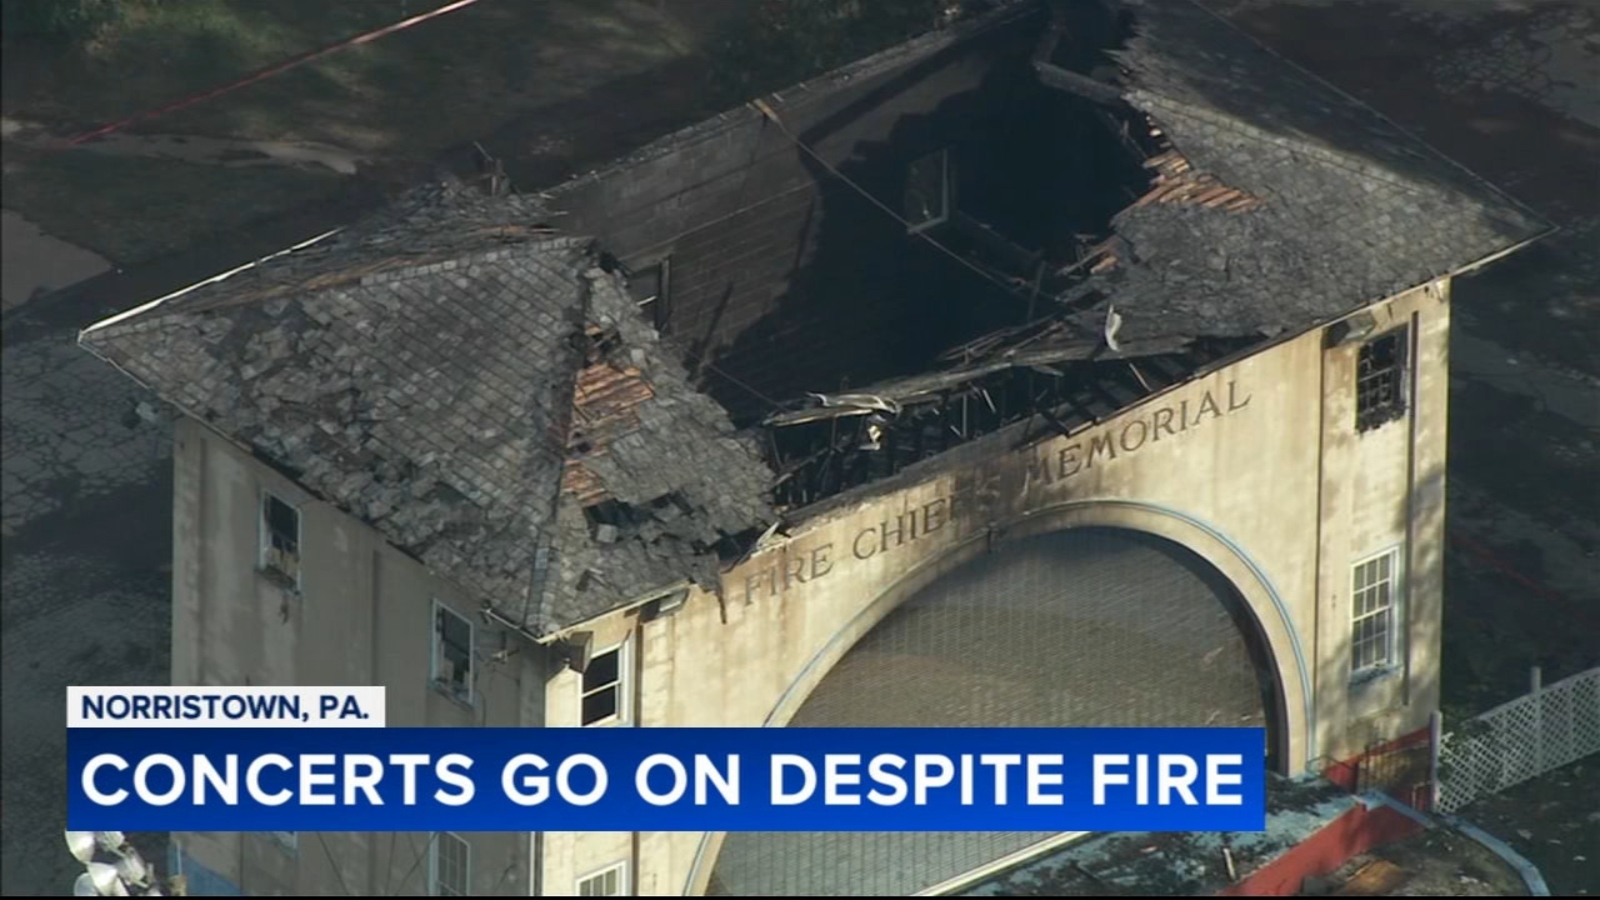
[954, 554]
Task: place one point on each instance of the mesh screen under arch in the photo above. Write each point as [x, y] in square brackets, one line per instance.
[1085, 626]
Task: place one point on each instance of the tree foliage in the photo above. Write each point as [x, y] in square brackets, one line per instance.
[775, 43]
[63, 21]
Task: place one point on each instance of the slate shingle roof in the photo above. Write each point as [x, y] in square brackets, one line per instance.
[1334, 207]
[419, 372]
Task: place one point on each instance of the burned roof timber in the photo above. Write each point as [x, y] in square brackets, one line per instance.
[1242, 234]
[481, 392]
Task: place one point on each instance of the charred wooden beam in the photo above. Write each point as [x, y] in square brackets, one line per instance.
[1054, 76]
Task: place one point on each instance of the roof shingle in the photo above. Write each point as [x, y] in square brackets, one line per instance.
[419, 371]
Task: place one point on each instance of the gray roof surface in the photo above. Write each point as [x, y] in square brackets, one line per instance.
[1332, 207]
[420, 371]
[467, 381]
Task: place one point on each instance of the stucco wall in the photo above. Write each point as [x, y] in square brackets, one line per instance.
[363, 616]
[1258, 467]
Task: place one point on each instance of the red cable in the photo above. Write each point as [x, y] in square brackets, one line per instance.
[269, 72]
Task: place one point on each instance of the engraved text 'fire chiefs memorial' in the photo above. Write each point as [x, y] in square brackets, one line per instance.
[796, 565]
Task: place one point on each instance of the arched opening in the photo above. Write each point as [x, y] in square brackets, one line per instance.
[1085, 626]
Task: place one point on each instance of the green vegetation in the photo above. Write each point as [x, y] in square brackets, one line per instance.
[59, 21]
[70, 65]
[777, 43]
[411, 94]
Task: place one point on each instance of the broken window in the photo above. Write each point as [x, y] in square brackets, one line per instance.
[602, 688]
[648, 286]
[450, 866]
[609, 882]
[280, 540]
[928, 192]
[452, 652]
[1372, 602]
[1380, 380]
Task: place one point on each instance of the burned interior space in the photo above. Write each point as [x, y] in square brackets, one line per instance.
[1022, 223]
[911, 260]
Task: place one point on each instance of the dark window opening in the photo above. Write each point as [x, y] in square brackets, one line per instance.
[452, 653]
[928, 191]
[602, 688]
[1380, 381]
[452, 866]
[280, 539]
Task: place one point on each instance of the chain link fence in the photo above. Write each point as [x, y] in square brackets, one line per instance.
[1550, 727]
[1087, 627]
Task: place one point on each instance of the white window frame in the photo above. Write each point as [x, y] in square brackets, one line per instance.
[623, 887]
[264, 536]
[433, 864]
[435, 646]
[624, 684]
[943, 156]
[1391, 612]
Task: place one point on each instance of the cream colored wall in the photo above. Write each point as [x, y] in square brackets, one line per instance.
[1243, 483]
[364, 616]
[1267, 479]
[1377, 497]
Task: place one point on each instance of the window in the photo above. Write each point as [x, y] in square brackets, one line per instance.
[280, 540]
[612, 882]
[449, 866]
[602, 688]
[928, 192]
[1380, 380]
[1372, 604]
[452, 652]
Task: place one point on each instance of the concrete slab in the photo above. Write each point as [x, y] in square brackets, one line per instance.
[32, 261]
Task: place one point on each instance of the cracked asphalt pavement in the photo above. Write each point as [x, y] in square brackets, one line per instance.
[1510, 88]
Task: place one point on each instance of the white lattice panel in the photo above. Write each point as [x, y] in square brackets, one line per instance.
[1521, 740]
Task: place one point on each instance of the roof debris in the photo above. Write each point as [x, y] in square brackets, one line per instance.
[467, 383]
[476, 387]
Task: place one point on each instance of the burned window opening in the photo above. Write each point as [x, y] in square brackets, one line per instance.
[280, 540]
[452, 653]
[1380, 380]
[929, 185]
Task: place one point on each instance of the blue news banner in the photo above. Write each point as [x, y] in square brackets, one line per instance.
[666, 779]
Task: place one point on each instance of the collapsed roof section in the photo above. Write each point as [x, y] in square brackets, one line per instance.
[1277, 201]
[466, 382]
[1274, 203]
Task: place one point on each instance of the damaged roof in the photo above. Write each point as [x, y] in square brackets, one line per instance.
[465, 381]
[1279, 201]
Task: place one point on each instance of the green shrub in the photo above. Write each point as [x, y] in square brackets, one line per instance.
[65, 21]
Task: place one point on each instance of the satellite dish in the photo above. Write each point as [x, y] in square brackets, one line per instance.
[84, 887]
[81, 845]
[1113, 323]
[106, 881]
